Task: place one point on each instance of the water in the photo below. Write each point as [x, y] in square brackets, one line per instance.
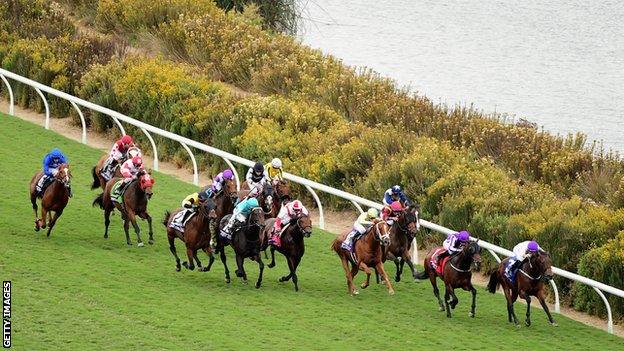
[557, 63]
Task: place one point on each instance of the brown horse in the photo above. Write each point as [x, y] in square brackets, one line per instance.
[224, 200]
[456, 274]
[196, 234]
[135, 199]
[246, 242]
[530, 279]
[54, 199]
[401, 236]
[96, 172]
[368, 253]
[292, 244]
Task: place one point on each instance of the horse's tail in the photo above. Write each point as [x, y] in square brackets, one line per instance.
[166, 218]
[336, 246]
[96, 179]
[494, 283]
[422, 274]
[99, 200]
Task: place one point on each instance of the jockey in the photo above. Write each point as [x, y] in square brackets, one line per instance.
[191, 203]
[522, 251]
[51, 163]
[361, 225]
[118, 153]
[130, 171]
[289, 211]
[273, 170]
[239, 216]
[395, 194]
[219, 181]
[391, 212]
[256, 175]
[454, 243]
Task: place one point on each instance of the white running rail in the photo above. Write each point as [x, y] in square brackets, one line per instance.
[310, 185]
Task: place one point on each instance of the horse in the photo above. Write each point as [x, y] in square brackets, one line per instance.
[196, 234]
[281, 195]
[368, 253]
[96, 172]
[54, 198]
[456, 274]
[530, 280]
[135, 199]
[292, 244]
[246, 242]
[402, 234]
[224, 200]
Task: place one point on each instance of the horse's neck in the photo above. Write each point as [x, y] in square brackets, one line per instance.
[400, 234]
[531, 268]
[57, 188]
[463, 260]
[369, 239]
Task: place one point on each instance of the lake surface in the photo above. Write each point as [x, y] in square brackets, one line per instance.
[559, 64]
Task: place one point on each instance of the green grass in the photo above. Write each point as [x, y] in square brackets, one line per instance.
[76, 290]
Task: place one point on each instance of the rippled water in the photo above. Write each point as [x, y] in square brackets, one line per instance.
[557, 63]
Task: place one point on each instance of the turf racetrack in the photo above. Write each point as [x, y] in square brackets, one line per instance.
[76, 290]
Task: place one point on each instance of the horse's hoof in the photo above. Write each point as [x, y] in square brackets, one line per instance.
[441, 309]
[471, 315]
[554, 324]
[271, 265]
[239, 274]
[178, 268]
[227, 280]
[105, 236]
[416, 280]
[391, 292]
[281, 279]
[151, 241]
[37, 228]
[258, 285]
[397, 279]
[245, 281]
[129, 243]
[355, 292]
[140, 244]
[518, 326]
[364, 286]
[448, 316]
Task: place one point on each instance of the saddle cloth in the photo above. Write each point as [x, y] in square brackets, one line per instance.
[176, 222]
[509, 273]
[439, 268]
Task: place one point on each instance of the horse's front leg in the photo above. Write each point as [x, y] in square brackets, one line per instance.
[368, 272]
[221, 250]
[473, 307]
[240, 272]
[384, 275]
[527, 321]
[436, 291]
[148, 218]
[132, 218]
[293, 271]
[258, 259]
[33, 200]
[44, 213]
[127, 231]
[210, 259]
[56, 216]
[172, 248]
[348, 274]
[397, 263]
[447, 298]
[272, 264]
[107, 214]
[542, 300]
[407, 259]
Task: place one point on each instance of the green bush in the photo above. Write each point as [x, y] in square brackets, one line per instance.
[30, 19]
[604, 264]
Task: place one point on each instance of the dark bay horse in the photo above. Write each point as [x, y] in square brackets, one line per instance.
[402, 234]
[224, 201]
[54, 198]
[246, 242]
[292, 244]
[196, 234]
[456, 274]
[530, 280]
[368, 254]
[281, 195]
[135, 199]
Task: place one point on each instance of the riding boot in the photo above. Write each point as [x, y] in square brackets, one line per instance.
[41, 184]
[347, 244]
[71, 191]
[441, 257]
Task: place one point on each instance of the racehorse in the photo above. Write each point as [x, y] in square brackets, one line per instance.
[135, 199]
[196, 234]
[246, 242]
[368, 253]
[292, 244]
[224, 200]
[281, 195]
[530, 280]
[402, 234]
[54, 198]
[96, 172]
[455, 274]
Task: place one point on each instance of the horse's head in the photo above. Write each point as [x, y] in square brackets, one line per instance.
[304, 224]
[133, 151]
[382, 232]
[473, 250]
[208, 208]
[543, 263]
[146, 182]
[409, 220]
[256, 217]
[229, 190]
[282, 189]
[64, 175]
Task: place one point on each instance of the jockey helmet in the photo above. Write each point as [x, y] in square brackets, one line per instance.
[533, 247]
[464, 235]
[202, 196]
[396, 189]
[297, 206]
[276, 163]
[396, 206]
[258, 168]
[227, 174]
[372, 213]
[126, 139]
[137, 161]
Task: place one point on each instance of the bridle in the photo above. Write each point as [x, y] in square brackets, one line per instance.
[463, 255]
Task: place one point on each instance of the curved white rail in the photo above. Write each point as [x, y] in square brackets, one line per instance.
[310, 185]
[11, 100]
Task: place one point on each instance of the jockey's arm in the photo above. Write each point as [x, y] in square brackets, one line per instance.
[248, 177]
[388, 197]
